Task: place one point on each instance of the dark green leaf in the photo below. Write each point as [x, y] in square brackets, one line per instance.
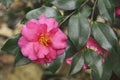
[117, 22]
[67, 4]
[70, 50]
[55, 65]
[108, 67]
[47, 11]
[20, 59]
[11, 45]
[77, 63]
[104, 35]
[93, 60]
[7, 3]
[106, 10]
[78, 30]
[116, 61]
[115, 2]
[86, 11]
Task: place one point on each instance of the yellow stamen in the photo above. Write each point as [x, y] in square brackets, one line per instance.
[44, 39]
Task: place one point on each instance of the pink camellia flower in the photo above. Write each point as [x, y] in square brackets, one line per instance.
[41, 40]
[92, 44]
[117, 11]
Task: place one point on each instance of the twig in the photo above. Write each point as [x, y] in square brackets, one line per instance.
[93, 11]
[67, 17]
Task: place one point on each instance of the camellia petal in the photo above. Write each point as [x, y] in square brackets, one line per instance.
[28, 51]
[117, 11]
[43, 51]
[60, 39]
[61, 51]
[29, 34]
[22, 41]
[50, 22]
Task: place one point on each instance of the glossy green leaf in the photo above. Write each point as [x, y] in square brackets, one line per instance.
[70, 50]
[47, 11]
[55, 65]
[86, 11]
[67, 4]
[104, 35]
[108, 66]
[7, 2]
[106, 10]
[93, 60]
[11, 46]
[20, 59]
[77, 63]
[78, 30]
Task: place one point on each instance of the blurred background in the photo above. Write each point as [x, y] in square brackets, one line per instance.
[10, 24]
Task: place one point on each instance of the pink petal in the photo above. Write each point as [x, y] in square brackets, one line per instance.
[42, 19]
[51, 22]
[40, 61]
[28, 51]
[22, 42]
[32, 23]
[69, 60]
[43, 50]
[61, 51]
[117, 11]
[85, 67]
[52, 54]
[32, 30]
[59, 40]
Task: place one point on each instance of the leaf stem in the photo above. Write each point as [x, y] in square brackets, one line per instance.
[67, 17]
[93, 11]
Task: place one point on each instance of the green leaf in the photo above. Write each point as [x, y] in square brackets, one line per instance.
[78, 30]
[93, 60]
[108, 67]
[7, 3]
[70, 50]
[104, 35]
[47, 11]
[116, 61]
[67, 4]
[55, 65]
[106, 10]
[115, 2]
[11, 46]
[86, 11]
[116, 22]
[77, 63]
[20, 59]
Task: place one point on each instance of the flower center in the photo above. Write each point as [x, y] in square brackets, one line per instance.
[44, 39]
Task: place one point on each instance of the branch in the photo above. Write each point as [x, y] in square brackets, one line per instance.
[93, 11]
[67, 17]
